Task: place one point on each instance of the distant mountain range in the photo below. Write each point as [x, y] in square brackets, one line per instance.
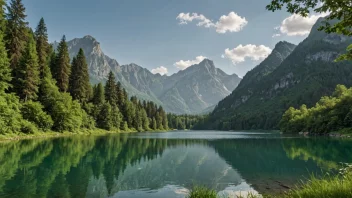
[290, 76]
[194, 90]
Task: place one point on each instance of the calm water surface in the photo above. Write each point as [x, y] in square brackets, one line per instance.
[164, 164]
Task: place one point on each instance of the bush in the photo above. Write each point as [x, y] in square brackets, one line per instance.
[33, 112]
[66, 113]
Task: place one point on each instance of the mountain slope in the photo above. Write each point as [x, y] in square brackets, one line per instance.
[190, 91]
[197, 88]
[308, 73]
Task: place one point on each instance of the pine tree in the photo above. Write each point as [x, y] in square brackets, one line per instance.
[110, 89]
[28, 72]
[5, 71]
[99, 96]
[16, 31]
[154, 125]
[41, 37]
[62, 67]
[79, 79]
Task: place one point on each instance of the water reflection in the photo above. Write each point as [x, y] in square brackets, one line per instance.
[152, 166]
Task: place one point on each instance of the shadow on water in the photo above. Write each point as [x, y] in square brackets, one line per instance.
[155, 165]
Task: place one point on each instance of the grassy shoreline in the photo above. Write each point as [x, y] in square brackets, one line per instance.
[339, 186]
[54, 134]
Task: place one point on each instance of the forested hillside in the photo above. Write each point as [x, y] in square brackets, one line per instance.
[41, 89]
[307, 74]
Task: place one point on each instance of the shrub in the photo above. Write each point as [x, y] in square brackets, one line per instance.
[33, 112]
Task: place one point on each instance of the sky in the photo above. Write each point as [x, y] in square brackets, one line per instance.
[167, 36]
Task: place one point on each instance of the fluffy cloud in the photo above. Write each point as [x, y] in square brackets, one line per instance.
[160, 70]
[184, 64]
[240, 53]
[227, 23]
[296, 25]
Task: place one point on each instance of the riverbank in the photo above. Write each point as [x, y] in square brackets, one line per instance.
[328, 187]
[54, 134]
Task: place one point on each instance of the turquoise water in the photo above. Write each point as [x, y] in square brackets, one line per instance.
[164, 164]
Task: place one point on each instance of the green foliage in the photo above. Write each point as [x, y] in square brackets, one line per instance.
[16, 31]
[104, 117]
[98, 94]
[202, 192]
[5, 71]
[330, 186]
[61, 69]
[33, 112]
[42, 44]
[337, 9]
[66, 113]
[182, 122]
[79, 79]
[110, 89]
[28, 79]
[329, 114]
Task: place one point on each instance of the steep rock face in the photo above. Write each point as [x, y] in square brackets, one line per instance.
[307, 74]
[191, 91]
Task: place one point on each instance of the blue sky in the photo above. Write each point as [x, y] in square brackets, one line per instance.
[147, 32]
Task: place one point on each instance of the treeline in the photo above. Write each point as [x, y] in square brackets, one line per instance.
[331, 113]
[182, 122]
[41, 89]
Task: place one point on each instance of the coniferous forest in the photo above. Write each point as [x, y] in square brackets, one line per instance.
[41, 89]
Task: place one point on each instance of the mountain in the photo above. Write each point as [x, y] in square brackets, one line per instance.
[197, 88]
[285, 79]
[194, 90]
[190, 91]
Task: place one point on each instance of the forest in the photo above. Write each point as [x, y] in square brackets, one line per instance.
[330, 114]
[41, 89]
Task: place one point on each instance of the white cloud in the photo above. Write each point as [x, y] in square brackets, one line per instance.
[232, 23]
[184, 64]
[227, 23]
[296, 25]
[276, 35]
[240, 53]
[160, 70]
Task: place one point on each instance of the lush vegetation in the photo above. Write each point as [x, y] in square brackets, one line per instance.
[41, 89]
[202, 192]
[331, 113]
[182, 122]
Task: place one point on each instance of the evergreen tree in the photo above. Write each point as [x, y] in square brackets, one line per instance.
[110, 89]
[28, 72]
[42, 44]
[154, 125]
[16, 31]
[79, 79]
[5, 71]
[62, 67]
[99, 96]
[104, 119]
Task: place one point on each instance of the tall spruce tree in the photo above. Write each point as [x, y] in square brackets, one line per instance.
[16, 31]
[62, 66]
[5, 71]
[28, 72]
[41, 37]
[99, 96]
[79, 79]
[110, 89]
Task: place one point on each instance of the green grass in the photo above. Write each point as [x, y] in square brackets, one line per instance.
[339, 186]
[328, 187]
[202, 192]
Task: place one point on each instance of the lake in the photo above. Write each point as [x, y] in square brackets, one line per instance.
[165, 164]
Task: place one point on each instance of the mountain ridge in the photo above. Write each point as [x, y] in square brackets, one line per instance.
[184, 92]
